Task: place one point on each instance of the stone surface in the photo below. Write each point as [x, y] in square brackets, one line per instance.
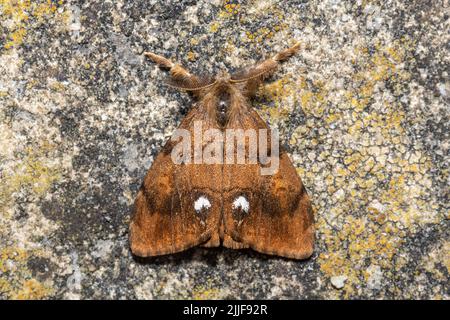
[362, 109]
[338, 281]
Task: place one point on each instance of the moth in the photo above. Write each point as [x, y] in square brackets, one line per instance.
[193, 203]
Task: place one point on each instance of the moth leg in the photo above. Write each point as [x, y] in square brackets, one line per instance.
[254, 76]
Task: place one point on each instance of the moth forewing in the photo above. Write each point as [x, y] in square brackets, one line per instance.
[278, 218]
[166, 219]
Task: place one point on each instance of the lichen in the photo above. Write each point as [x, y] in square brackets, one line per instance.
[205, 293]
[31, 173]
[248, 17]
[379, 67]
[16, 280]
[354, 241]
[356, 233]
[32, 290]
[20, 14]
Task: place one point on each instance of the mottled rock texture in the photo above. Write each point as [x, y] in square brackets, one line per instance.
[362, 109]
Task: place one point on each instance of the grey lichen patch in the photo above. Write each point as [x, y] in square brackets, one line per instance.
[362, 110]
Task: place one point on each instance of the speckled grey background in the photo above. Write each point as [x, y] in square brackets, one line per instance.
[362, 109]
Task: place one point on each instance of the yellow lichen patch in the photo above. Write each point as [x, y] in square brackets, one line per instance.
[32, 290]
[214, 27]
[17, 9]
[301, 171]
[254, 12]
[194, 41]
[264, 33]
[229, 9]
[288, 93]
[359, 242]
[17, 281]
[43, 10]
[281, 97]
[206, 292]
[383, 65]
[258, 11]
[32, 172]
[313, 100]
[380, 179]
[278, 91]
[57, 86]
[16, 38]
[20, 13]
[403, 199]
[11, 254]
[191, 56]
[11, 260]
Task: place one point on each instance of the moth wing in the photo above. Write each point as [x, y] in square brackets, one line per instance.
[271, 214]
[177, 206]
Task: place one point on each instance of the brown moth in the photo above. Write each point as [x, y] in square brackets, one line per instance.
[196, 203]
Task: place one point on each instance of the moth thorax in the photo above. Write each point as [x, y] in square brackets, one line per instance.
[223, 105]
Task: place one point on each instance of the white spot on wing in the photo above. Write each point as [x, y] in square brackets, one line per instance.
[202, 203]
[241, 203]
